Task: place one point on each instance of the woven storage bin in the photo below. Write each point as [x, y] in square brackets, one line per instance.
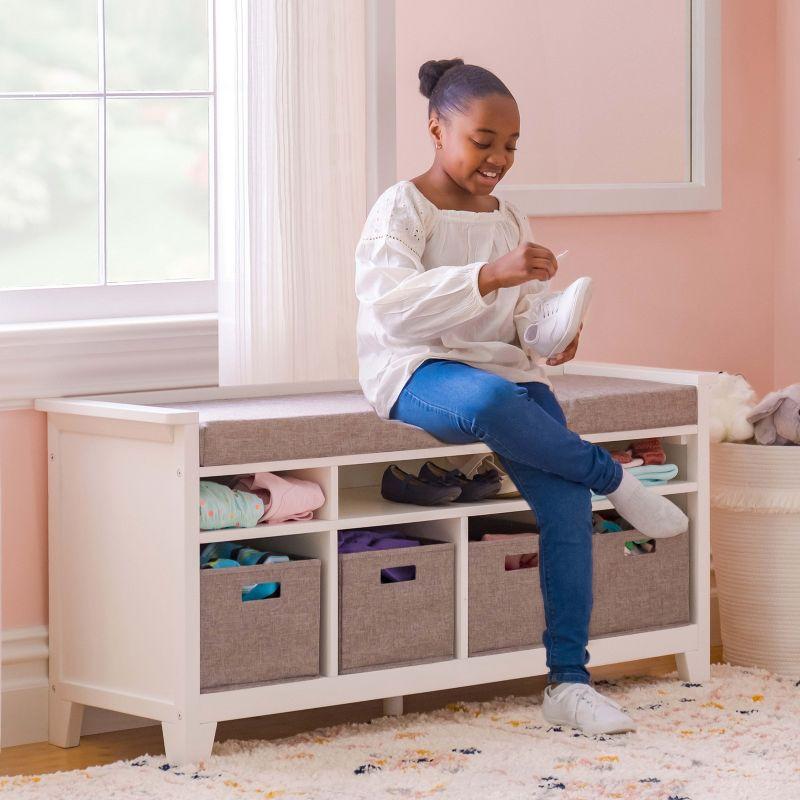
[382, 624]
[638, 591]
[755, 541]
[505, 607]
[259, 640]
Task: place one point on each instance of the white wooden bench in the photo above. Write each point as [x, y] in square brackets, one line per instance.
[124, 536]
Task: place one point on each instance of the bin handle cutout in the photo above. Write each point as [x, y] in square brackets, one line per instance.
[514, 562]
[399, 574]
[269, 590]
[639, 547]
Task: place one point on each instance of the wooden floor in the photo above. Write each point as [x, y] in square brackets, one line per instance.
[103, 748]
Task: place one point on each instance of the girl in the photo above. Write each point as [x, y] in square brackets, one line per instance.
[442, 269]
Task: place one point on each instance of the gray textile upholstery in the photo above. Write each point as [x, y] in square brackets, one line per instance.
[637, 592]
[396, 623]
[259, 641]
[645, 591]
[505, 607]
[328, 424]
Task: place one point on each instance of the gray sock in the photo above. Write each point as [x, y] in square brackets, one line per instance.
[648, 512]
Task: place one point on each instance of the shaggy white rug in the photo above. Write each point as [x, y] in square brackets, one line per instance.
[735, 737]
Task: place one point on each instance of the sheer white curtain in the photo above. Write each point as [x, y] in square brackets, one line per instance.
[292, 187]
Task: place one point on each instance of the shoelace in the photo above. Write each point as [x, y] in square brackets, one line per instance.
[547, 306]
[588, 696]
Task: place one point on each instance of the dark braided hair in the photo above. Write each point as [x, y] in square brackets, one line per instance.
[449, 85]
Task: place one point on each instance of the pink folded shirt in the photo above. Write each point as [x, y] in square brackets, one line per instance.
[285, 497]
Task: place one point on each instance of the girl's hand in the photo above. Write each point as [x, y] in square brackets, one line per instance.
[568, 354]
[526, 262]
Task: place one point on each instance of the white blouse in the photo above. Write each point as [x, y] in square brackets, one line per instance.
[417, 285]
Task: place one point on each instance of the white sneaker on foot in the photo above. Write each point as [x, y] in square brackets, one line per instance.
[581, 706]
[556, 318]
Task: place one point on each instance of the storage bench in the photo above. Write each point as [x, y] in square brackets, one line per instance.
[128, 638]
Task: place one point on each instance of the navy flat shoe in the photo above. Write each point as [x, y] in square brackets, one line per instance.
[483, 486]
[402, 487]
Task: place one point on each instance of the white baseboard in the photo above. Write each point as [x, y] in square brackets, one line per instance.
[23, 719]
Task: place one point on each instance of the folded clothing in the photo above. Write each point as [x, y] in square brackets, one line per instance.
[223, 555]
[639, 546]
[222, 507]
[239, 552]
[284, 496]
[609, 521]
[522, 561]
[653, 474]
[642, 452]
[650, 450]
[362, 540]
[621, 456]
[602, 525]
[634, 462]
[244, 501]
[649, 475]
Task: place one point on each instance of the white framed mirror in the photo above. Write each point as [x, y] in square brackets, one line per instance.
[620, 106]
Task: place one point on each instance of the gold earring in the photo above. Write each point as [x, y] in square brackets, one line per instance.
[438, 147]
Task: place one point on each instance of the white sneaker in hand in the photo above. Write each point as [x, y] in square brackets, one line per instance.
[559, 316]
[579, 705]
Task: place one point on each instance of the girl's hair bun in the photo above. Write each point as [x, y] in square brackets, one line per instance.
[431, 71]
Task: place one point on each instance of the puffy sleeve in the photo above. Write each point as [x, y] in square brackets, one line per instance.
[525, 311]
[408, 300]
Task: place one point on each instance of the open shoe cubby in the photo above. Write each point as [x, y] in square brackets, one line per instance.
[112, 461]
[675, 450]
[325, 477]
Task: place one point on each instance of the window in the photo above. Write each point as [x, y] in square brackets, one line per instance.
[106, 159]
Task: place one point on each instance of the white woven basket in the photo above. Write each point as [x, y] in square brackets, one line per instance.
[755, 540]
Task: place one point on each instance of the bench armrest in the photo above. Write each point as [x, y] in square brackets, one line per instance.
[633, 372]
[126, 411]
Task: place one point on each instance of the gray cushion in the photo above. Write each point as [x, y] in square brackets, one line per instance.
[288, 427]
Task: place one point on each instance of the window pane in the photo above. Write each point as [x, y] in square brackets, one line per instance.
[157, 196]
[156, 46]
[48, 46]
[48, 192]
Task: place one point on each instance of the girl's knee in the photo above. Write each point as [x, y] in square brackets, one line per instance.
[494, 399]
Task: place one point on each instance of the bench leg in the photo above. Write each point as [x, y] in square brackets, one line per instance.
[185, 742]
[64, 722]
[393, 706]
[694, 666]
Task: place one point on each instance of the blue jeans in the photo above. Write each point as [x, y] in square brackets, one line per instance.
[552, 467]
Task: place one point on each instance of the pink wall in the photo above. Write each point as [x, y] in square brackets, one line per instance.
[787, 267]
[23, 524]
[578, 76]
[695, 291]
[673, 290]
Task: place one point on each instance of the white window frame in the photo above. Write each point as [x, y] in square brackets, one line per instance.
[145, 299]
[703, 192]
[133, 337]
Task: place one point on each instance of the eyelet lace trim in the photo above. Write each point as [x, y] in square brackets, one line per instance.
[395, 216]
